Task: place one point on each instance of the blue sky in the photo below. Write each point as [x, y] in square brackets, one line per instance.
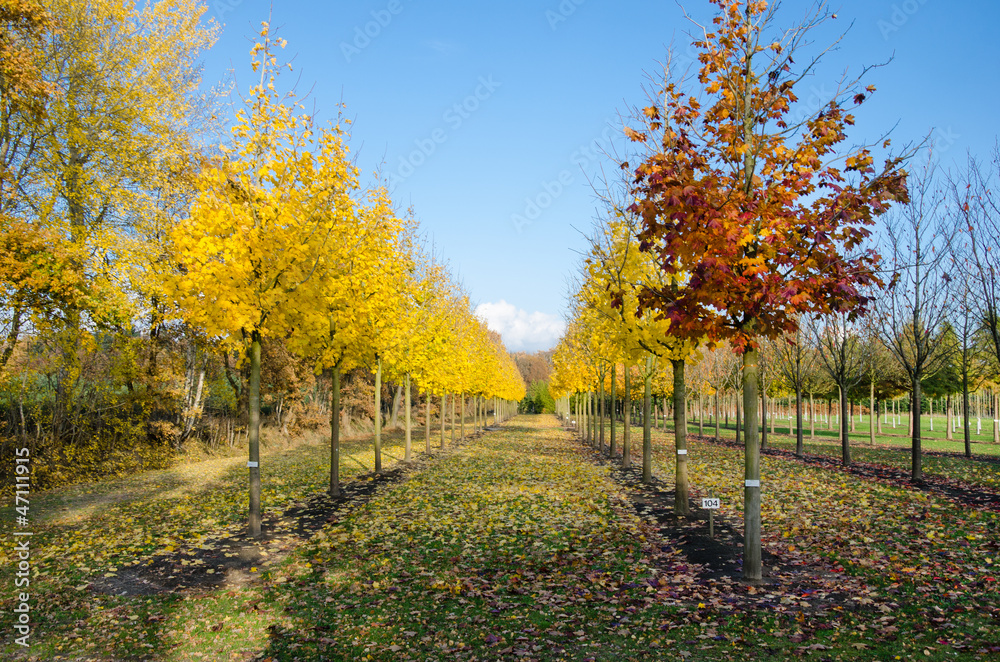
[493, 118]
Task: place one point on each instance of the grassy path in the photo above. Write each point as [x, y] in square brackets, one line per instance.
[516, 548]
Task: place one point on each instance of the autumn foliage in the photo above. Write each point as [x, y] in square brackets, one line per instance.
[159, 288]
[766, 214]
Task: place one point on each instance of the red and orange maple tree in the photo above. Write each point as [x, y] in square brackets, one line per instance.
[763, 208]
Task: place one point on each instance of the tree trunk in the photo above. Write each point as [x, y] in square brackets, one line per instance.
[950, 436]
[462, 436]
[335, 432]
[996, 418]
[845, 435]
[277, 413]
[763, 427]
[774, 416]
[396, 398]
[739, 414]
[966, 431]
[13, 333]
[798, 421]
[253, 435]
[716, 415]
[701, 414]
[601, 414]
[452, 419]
[406, 414]
[627, 435]
[909, 431]
[917, 473]
[427, 423]
[752, 570]
[812, 418]
[871, 413]
[192, 410]
[588, 408]
[614, 404]
[681, 506]
[647, 406]
[378, 417]
[444, 405]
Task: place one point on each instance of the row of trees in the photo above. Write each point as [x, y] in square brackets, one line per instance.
[800, 388]
[143, 252]
[743, 222]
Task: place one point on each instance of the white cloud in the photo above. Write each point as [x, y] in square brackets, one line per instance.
[521, 330]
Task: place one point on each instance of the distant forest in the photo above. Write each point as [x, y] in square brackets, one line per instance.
[536, 369]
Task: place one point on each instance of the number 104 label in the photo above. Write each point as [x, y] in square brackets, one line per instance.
[710, 504]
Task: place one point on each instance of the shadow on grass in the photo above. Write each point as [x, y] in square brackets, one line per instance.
[228, 560]
[233, 560]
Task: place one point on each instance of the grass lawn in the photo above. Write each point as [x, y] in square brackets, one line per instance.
[519, 544]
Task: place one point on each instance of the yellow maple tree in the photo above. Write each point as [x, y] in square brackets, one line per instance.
[266, 211]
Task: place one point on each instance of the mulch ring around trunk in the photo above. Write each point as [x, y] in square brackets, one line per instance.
[692, 568]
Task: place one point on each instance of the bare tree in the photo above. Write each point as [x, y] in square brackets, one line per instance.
[768, 371]
[843, 354]
[883, 375]
[983, 227]
[916, 304]
[971, 317]
[815, 380]
[719, 365]
[794, 360]
[973, 363]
